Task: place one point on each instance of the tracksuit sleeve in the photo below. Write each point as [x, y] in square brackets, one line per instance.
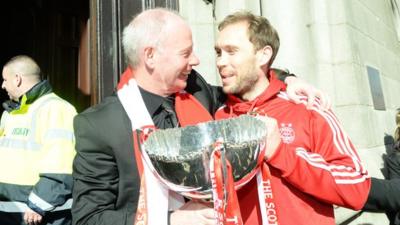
[325, 164]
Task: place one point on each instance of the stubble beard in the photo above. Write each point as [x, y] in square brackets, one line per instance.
[245, 83]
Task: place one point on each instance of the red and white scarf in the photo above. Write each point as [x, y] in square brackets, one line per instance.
[152, 208]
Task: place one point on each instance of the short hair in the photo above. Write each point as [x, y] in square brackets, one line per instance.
[260, 31]
[147, 28]
[24, 65]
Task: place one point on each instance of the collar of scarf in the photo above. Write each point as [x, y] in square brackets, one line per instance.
[237, 106]
[155, 198]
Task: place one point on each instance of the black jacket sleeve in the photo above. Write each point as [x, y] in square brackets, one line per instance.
[282, 74]
[96, 178]
[211, 97]
[383, 195]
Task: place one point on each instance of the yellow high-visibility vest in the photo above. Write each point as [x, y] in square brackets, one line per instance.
[36, 139]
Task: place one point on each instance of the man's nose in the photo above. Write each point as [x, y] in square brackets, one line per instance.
[221, 60]
[194, 61]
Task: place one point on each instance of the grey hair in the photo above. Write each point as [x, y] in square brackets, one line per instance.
[146, 29]
[24, 65]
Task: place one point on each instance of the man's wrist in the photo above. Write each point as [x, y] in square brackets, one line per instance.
[36, 209]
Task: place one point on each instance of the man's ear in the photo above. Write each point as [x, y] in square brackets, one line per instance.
[148, 57]
[264, 55]
[18, 80]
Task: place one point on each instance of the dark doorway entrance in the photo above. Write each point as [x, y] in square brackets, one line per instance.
[53, 33]
[77, 43]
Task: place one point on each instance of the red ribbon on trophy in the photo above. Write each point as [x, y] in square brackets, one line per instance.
[226, 204]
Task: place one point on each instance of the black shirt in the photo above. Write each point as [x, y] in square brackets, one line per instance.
[161, 109]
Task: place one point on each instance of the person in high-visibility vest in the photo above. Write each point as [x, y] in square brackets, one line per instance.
[37, 147]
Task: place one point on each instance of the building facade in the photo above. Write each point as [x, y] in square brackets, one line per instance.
[350, 49]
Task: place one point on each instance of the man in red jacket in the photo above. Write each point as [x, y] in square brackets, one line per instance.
[316, 165]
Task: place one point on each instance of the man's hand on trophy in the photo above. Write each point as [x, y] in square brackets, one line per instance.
[193, 213]
[273, 138]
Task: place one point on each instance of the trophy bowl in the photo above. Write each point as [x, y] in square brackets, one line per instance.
[181, 156]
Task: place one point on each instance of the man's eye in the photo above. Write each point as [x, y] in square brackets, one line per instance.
[231, 51]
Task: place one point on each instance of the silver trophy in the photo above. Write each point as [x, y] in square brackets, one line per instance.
[181, 156]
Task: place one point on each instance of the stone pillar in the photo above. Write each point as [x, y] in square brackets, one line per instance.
[199, 15]
[291, 19]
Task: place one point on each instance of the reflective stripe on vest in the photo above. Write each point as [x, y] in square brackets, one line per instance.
[59, 134]
[20, 207]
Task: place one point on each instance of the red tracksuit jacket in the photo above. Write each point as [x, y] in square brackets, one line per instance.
[315, 166]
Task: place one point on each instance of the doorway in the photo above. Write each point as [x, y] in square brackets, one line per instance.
[77, 43]
[53, 33]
